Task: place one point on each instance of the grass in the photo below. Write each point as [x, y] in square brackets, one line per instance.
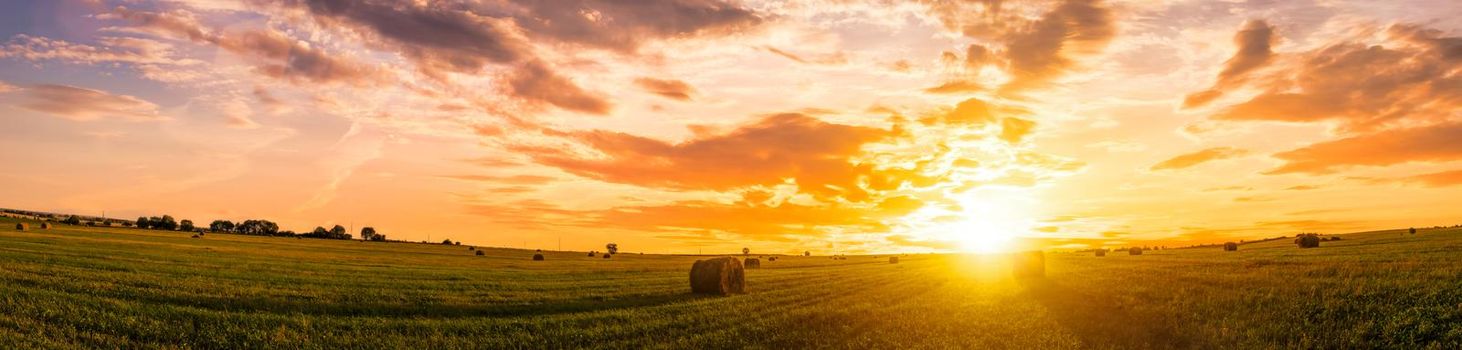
[82, 287]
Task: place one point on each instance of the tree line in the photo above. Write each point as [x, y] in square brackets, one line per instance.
[251, 227]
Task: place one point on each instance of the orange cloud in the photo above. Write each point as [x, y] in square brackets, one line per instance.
[1441, 179]
[671, 89]
[816, 154]
[1420, 144]
[82, 104]
[1193, 159]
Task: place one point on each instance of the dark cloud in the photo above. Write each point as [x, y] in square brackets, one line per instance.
[1436, 143]
[1255, 41]
[467, 37]
[672, 89]
[1193, 159]
[82, 104]
[536, 82]
[1043, 50]
[624, 25]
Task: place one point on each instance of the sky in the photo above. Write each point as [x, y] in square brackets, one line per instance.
[700, 126]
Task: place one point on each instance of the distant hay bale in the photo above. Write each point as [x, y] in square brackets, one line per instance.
[1101, 252]
[718, 276]
[772, 259]
[1030, 264]
[195, 236]
[591, 254]
[45, 225]
[606, 256]
[1308, 241]
[752, 263]
[1334, 238]
[1230, 246]
[537, 257]
[471, 248]
[21, 226]
[893, 259]
[481, 253]
[1134, 251]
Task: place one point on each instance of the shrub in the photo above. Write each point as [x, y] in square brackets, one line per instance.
[721, 276]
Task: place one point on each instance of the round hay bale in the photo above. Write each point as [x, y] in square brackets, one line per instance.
[1134, 251]
[1230, 247]
[606, 256]
[1030, 264]
[481, 253]
[591, 254]
[752, 263]
[1308, 241]
[45, 225]
[195, 236]
[21, 226]
[772, 259]
[720, 276]
[471, 248]
[537, 257]
[1101, 252]
[893, 259]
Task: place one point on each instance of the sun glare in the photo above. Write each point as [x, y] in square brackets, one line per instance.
[993, 221]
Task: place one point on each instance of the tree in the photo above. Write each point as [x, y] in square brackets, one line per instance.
[72, 220]
[185, 225]
[257, 228]
[447, 242]
[807, 253]
[143, 222]
[368, 233]
[611, 248]
[745, 251]
[319, 232]
[167, 223]
[339, 232]
[221, 226]
[378, 237]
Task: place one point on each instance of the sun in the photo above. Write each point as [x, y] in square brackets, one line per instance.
[993, 221]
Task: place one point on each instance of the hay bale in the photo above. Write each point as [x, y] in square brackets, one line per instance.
[1134, 251]
[45, 225]
[1308, 241]
[1030, 264]
[591, 254]
[21, 226]
[195, 236]
[481, 253]
[606, 256]
[893, 259]
[537, 257]
[1230, 246]
[718, 276]
[752, 263]
[772, 259]
[1101, 252]
[471, 248]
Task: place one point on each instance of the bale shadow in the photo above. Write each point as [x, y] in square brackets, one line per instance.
[1102, 324]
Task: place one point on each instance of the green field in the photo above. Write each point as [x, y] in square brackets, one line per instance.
[78, 287]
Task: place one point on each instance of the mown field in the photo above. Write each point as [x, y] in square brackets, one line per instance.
[78, 287]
